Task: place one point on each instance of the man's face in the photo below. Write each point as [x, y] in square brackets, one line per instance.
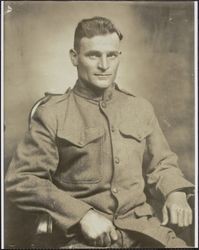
[98, 60]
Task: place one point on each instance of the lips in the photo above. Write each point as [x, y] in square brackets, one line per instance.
[103, 75]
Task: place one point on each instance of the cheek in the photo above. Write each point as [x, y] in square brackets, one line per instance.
[115, 66]
[87, 68]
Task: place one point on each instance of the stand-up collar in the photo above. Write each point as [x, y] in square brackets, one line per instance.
[95, 95]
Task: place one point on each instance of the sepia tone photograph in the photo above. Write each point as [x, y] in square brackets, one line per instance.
[99, 124]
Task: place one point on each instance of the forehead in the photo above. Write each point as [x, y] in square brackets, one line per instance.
[106, 42]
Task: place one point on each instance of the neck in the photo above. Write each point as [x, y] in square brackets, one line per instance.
[98, 92]
[92, 92]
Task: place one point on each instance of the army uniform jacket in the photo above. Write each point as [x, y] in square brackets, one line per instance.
[86, 152]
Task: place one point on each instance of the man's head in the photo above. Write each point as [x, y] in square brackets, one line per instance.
[96, 51]
[95, 26]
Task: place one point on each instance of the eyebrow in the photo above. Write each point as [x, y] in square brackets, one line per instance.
[90, 52]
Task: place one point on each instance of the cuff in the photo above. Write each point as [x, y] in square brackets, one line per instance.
[168, 184]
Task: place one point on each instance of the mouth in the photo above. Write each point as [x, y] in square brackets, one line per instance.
[99, 74]
[103, 76]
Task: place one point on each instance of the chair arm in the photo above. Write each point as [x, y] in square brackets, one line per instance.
[44, 224]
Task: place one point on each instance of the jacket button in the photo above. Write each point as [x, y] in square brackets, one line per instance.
[112, 129]
[117, 160]
[115, 190]
[103, 104]
[115, 216]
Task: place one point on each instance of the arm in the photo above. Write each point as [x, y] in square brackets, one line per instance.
[165, 179]
[29, 178]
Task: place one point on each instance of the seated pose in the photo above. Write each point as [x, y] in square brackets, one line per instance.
[81, 161]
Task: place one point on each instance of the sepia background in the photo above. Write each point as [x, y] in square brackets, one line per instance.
[157, 63]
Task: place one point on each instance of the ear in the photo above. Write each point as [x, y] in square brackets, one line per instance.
[74, 57]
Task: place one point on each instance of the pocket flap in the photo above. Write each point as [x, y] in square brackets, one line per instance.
[132, 131]
[81, 137]
[144, 210]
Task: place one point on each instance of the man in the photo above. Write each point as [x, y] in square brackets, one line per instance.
[81, 160]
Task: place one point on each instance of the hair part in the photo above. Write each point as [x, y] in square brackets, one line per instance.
[92, 27]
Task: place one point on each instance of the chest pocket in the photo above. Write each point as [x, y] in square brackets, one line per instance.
[128, 131]
[80, 152]
[133, 141]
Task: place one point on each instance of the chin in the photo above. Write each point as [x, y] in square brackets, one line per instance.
[102, 85]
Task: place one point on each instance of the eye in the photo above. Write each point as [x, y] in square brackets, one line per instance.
[113, 55]
[93, 56]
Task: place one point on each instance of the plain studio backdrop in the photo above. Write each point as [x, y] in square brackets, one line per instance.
[157, 62]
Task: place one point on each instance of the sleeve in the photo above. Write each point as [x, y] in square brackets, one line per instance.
[163, 174]
[28, 181]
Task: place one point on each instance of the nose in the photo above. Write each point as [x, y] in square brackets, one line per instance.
[103, 63]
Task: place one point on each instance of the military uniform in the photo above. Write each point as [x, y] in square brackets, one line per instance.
[85, 151]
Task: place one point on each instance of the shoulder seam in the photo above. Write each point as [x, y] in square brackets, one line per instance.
[57, 94]
[43, 100]
[124, 91]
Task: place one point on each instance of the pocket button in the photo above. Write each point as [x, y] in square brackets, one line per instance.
[103, 105]
[115, 190]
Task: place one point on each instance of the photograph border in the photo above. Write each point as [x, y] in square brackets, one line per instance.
[196, 114]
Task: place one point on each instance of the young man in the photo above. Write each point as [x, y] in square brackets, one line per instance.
[81, 161]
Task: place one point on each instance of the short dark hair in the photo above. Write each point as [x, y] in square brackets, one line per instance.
[92, 27]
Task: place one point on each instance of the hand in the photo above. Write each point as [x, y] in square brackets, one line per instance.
[176, 210]
[98, 230]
